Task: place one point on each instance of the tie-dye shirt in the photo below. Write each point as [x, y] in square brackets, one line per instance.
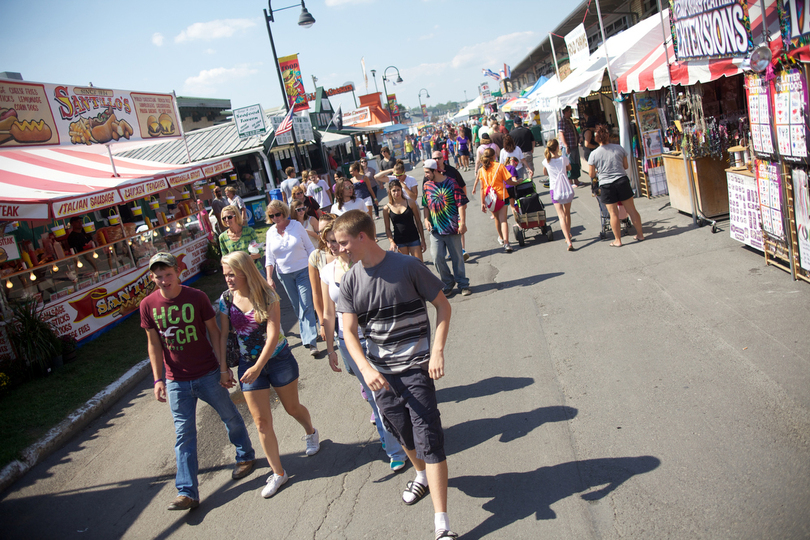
[443, 199]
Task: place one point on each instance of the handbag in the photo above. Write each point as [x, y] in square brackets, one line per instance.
[491, 199]
[232, 345]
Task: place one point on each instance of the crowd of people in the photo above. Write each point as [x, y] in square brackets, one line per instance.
[367, 305]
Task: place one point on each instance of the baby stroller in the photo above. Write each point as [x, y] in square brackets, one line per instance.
[530, 213]
[624, 220]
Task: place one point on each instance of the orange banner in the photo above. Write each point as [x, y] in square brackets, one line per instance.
[293, 85]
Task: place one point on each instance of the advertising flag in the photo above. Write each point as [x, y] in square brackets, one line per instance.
[293, 85]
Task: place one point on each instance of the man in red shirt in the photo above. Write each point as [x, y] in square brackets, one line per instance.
[176, 319]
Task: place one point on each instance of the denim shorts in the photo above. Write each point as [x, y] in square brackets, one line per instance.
[410, 411]
[415, 243]
[280, 370]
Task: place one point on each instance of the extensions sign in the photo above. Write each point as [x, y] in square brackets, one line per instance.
[710, 29]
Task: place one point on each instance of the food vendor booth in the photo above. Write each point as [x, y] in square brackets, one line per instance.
[79, 227]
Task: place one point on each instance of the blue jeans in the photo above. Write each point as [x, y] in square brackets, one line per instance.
[183, 396]
[389, 441]
[299, 290]
[451, 244]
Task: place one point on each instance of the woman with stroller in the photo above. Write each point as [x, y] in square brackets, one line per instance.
[495, 180]
[331, 276]
[556, 167]
[251, 308]
[609, 164]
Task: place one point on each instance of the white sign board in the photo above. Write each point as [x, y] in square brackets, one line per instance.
[8, 249]
[303, 128]
[486, 95]
[284, 138]
[576, 42]
[249, 121]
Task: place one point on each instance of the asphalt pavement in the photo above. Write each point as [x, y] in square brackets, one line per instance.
[658, 390]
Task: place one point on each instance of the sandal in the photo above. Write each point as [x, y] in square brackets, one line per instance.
[444, 533]
[417, 490]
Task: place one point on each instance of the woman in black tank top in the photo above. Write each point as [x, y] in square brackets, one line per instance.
[408, 235]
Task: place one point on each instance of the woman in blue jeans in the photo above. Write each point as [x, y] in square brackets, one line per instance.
[287, 250]
[331, 275]
[250, 308]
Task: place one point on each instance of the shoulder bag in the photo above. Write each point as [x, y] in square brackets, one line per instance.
[232, 345]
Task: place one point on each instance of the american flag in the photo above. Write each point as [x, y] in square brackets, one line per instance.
[491, 74]
[506, 73]
[286, 125]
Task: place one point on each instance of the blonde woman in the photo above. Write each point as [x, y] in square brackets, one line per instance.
[317, 260]
[408, 236]
[331, 276]
[494, 181]
[287, 250]
[239, 237]
[251, 308]
[556, 167]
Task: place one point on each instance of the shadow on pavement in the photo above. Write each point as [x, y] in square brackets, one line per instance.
[508, 427]
[485, 387]
[516, 496]
[522, 282]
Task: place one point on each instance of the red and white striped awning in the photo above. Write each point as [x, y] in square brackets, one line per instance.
[650, 73]
[63, 182]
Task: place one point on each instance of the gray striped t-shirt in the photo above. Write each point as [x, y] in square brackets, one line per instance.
[389, 301]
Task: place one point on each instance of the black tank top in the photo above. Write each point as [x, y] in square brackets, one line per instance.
[405, 230]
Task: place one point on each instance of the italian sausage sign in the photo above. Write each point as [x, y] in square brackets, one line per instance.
[38, 114]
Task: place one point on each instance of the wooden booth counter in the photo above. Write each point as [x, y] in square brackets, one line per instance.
[710, 184]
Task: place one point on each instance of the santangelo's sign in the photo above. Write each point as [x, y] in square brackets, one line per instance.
[90, 310]
[37, 114]
[345, 89]
[710, 29]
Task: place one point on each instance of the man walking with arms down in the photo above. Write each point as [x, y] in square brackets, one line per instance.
[385, 294]
[186, 368]
[445, 207]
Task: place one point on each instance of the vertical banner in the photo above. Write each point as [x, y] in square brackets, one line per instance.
[293, 85]
[424, 112]
[718, 29]
[790, 115]
[393, 108]
[801, 207]
[769, 181]
[758, 94]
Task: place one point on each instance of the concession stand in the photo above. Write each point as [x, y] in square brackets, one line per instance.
[56, 166]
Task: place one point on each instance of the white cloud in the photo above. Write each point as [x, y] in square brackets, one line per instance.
[207, 31]
[209, 80]
[157, 39]
[494, 53]
[210, 51]
[426, 37]
[341, 3]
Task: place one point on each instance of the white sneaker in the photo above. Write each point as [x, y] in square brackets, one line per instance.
[274, 482]
[313, 443]
[500, 240]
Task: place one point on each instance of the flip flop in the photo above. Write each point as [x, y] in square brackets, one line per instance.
[417, 490]
[612, 244]
[570, 248]
[638, 239]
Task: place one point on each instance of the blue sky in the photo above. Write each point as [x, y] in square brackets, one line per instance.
[206, 49]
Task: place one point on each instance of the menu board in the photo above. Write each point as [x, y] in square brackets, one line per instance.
[36, 114]
[790, 115]
[801, 207]
[769, 182]
[745, 223]
[758, 93]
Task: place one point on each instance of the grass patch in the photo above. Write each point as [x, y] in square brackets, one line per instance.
[30, 410]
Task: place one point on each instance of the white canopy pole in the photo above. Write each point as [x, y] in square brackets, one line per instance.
[112, 163]
[604, 44]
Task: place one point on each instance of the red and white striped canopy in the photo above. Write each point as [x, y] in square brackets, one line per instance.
[63, 182]
[650, 73]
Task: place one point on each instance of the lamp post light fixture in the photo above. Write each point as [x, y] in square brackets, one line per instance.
[419, 96]
[305, 20]
[384, 79]
[374, 76]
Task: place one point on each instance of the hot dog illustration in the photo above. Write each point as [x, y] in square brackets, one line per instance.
[30, 131]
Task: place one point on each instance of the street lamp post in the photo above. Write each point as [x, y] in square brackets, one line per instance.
[384, 78]
[374, 76]
[427, 96]
[306, 20]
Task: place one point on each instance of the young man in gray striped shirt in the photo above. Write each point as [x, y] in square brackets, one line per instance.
[385, 294]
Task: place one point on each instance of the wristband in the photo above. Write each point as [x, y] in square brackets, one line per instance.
[159, 380]
[223, 372]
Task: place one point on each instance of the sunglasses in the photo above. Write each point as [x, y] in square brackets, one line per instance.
[300, 210]
[279, 214]
[227, 218]
[363, 161]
